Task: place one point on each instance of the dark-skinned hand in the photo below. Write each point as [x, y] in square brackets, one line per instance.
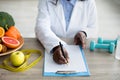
[58, 56]
[80, 39]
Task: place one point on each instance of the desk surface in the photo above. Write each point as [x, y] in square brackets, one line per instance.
[102, 66]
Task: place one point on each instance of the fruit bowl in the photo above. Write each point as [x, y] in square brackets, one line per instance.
[15, 49]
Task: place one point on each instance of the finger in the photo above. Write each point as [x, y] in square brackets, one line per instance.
[58, 60]
[79, 41]
[75, 41]
[63, 57]
[82, 40]
[67, 60]
[61, 62]
[67, 57]
[83, 46]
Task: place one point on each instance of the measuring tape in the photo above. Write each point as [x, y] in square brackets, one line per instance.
[6, 63]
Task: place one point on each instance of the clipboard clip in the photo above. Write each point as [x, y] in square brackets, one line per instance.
[66, 72]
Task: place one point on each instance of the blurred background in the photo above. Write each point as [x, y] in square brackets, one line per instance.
[25, 12]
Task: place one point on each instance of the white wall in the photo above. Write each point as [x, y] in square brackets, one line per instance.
[109, 18]
[25, 12]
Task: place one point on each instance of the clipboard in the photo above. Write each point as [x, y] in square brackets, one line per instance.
[77, 65]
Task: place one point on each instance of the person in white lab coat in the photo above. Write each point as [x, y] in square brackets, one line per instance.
[65, 19]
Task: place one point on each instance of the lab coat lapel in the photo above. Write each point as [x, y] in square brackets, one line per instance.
[60, 14]
[76, 14]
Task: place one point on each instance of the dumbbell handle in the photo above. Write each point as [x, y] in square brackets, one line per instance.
[109, 41]
[101, 41]
[103, 46]
[110, 46]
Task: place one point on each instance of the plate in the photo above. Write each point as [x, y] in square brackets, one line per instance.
[15, 49]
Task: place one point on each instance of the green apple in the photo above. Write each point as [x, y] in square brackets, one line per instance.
[17, 58]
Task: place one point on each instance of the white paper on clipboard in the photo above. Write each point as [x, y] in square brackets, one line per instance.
[76, 63]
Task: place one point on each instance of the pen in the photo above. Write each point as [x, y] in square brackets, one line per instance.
[62, 51]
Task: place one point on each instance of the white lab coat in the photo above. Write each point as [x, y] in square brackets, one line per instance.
[51, 22]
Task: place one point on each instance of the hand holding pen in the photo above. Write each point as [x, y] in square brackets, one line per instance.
[60, 54]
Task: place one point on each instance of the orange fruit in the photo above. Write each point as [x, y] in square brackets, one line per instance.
[13, 32]
[2, 32]
[0, 47]
[10, 42]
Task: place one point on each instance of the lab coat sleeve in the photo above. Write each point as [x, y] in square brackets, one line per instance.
[92, 27]
[43, 28]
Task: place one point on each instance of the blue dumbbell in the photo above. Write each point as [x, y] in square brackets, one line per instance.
[101, 41]
[110, 47]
